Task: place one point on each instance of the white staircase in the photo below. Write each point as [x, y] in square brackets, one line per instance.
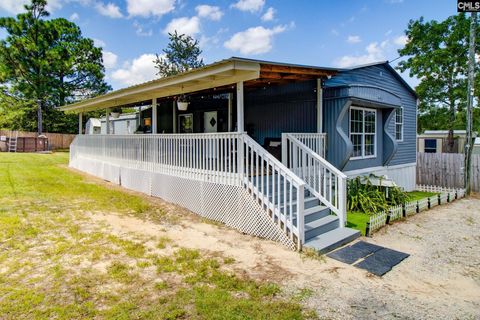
[12, 141]
[325, 215]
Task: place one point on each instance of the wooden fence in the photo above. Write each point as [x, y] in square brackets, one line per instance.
[55, 140]
[446, 170]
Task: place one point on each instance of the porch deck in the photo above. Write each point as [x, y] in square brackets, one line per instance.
[230, 178]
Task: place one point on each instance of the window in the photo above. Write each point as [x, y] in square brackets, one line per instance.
[399, 124]
[431, 145]
[362, 132]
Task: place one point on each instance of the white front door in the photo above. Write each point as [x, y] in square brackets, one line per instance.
[210, 121]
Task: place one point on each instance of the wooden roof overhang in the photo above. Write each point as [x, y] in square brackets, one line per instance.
[219, 76]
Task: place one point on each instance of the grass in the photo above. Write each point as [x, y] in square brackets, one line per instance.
[358, 220]
[418, 195]
[56, 262]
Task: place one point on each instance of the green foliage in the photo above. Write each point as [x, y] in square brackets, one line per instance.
[363, 196]
[46, 63]
[436, 53]
[182, 54]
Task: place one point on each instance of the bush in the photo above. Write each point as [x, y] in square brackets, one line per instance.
[363, 196]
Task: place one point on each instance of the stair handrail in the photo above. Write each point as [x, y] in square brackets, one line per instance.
[317, 141]
[304, 162]
[282, 211]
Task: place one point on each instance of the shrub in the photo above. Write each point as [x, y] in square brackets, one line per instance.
[363, 196]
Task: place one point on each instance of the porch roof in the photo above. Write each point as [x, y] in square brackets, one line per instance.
[216, 75]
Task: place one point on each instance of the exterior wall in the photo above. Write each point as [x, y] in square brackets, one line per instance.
[276, 109]
[404, 175]
[120, 125]
[381, 76]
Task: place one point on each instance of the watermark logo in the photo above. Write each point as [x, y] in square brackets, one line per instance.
[468, 6]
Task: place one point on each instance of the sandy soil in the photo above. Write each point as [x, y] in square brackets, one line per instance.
[441, 278]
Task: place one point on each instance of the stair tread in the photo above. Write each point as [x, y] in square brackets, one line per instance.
[329, 239]
[320, 222]
[314, 209]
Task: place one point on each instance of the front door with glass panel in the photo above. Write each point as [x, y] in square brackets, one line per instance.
[210, 121]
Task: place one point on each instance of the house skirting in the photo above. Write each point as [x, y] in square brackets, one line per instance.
[404, 175]
[228, 203]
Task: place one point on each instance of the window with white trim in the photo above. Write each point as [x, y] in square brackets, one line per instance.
[363, 126]
[399, 124]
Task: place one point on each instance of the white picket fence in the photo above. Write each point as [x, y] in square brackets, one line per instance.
[444, 195]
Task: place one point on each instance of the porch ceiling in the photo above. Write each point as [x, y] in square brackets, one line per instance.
[217, 75]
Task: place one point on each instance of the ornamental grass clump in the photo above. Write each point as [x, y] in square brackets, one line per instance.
[364, 196]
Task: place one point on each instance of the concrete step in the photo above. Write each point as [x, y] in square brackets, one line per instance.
[321, 226]
[331, 240]
[314, 213]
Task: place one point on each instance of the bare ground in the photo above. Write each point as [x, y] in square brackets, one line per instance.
[440, 279]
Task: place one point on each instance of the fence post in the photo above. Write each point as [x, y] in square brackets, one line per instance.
[429, 203]
[456, 194]
[418, 207]
[448, 196]
[388, 216]
[404, 210]
[439, 199]
[367, 229]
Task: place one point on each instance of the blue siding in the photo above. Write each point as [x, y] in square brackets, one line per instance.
[392, 92]
[275, 109]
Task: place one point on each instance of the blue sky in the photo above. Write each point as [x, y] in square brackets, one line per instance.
[315, 32]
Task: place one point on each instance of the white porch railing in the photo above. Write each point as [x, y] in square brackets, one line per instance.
[222, 158]
[276, 188]
[315, 141]
[322, 179]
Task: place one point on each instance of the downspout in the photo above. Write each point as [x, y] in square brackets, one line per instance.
[319, 105]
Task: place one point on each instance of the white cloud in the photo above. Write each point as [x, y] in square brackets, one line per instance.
[99, 43]
[184, 25]
[139, 30]
[373, 52]
[146, 8]
[249, 5]
[109, 10]
[354, 39]
[269, 15]
[401, 41]
[109, 59]
[74, 16]
[209, 12]
[255, 40]
[139, 70]
[18, 6]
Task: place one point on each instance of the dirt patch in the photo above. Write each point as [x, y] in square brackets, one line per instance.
[440, 279]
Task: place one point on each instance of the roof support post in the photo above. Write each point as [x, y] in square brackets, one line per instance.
[240, 113]
[107, 120]
[174, 117]
[319, 106]
[80, 123]
[230, 98]
[154, 115]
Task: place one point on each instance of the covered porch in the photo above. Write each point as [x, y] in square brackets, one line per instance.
[233, 154]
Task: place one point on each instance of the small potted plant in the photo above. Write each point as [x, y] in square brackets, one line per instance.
[115, 112]
[182, 103]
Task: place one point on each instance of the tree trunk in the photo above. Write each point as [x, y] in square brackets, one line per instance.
[39, 116]
[450, 140]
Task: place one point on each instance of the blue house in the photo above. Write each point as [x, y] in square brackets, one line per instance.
[264, 147]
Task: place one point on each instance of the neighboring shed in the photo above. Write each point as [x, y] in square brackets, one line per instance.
[93, 126]
[435, 141]
[126, 123]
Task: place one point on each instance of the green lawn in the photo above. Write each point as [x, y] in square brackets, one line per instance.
[57, 263]
[358, 220]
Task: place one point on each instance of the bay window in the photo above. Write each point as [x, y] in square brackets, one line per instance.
[363, 123]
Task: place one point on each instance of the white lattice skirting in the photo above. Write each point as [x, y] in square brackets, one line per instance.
[229, 204]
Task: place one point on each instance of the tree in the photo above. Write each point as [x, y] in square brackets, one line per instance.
[436, 54]
[182, 54]
[49, 63]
